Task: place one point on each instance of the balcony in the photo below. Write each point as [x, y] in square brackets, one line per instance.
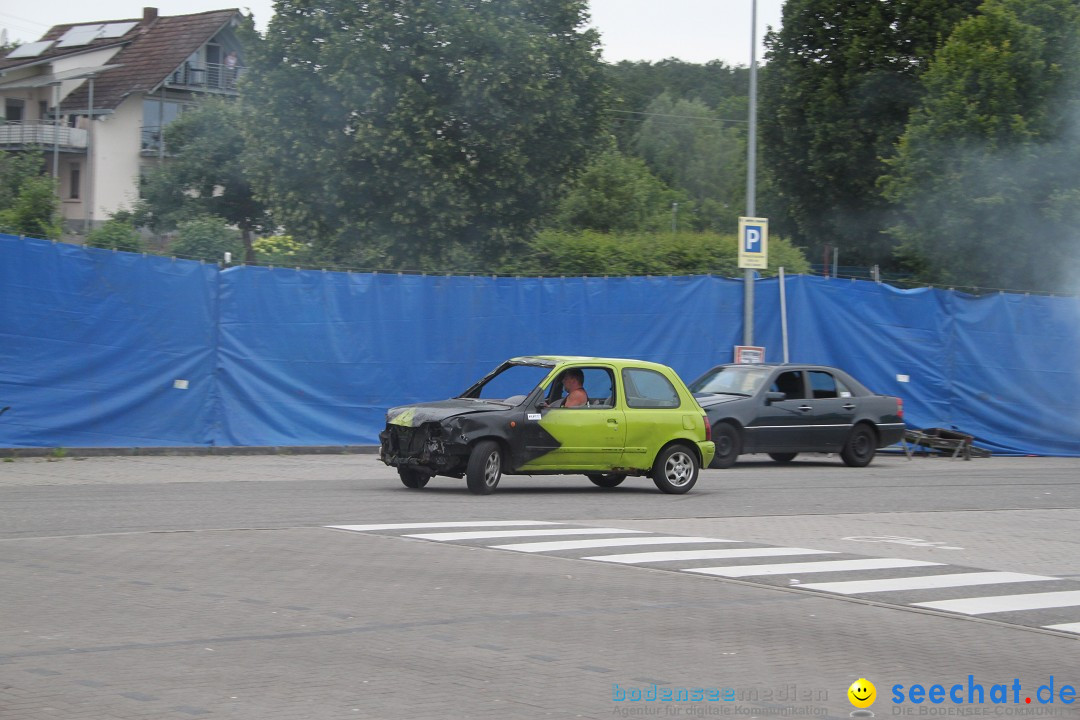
[207, 77]
[20, 136]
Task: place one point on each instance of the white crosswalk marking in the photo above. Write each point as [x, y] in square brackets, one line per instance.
[1005, 603]
[419, 526]
[1066, 627]
[517, 535]
[605, 542]
[485, 534]
[705, 554]
[735, 571]
[923, 582]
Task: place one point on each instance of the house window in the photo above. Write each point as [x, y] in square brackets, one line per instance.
[13, 110]
[157, 114]
[42, 110]
[73, 189]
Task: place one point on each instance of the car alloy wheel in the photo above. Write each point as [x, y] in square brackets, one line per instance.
[485, 467]
[675, 470]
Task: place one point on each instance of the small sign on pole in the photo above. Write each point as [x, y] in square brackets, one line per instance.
[753, 243]
[749, 354]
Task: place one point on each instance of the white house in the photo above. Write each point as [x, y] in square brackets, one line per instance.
[93, 98]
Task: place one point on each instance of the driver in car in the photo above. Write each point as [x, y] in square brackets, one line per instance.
[573, 381]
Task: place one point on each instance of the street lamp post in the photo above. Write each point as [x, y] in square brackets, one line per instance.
[751, 177]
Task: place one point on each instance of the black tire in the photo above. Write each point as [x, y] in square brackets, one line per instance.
[414, 479]
[606, 480]
[485, 467]
[783, 458]
[728, 442]
[861, 446]
[675, 470]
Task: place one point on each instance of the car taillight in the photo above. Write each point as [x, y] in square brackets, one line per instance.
[900, 407]
[708, 428]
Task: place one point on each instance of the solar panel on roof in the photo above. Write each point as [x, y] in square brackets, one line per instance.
[30, 49]
[79, 35]
[115, 30]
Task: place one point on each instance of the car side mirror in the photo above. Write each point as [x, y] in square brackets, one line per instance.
[774, 396]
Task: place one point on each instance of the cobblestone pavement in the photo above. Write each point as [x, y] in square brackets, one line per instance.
[210, 587]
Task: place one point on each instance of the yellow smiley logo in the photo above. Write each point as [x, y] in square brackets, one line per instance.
[862, 693]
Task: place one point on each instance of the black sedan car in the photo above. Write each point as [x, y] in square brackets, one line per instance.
[786, 409]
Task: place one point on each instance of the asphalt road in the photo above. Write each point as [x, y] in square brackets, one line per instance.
[270, 587]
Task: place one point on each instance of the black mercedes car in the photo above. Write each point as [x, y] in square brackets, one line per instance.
[786, 409]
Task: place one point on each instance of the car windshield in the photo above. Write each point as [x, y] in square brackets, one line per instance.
[731, 380]
[511, 384]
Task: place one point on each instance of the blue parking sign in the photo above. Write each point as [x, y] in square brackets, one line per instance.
[753, 243]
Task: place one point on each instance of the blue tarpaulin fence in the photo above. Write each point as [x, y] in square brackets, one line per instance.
[110, 349]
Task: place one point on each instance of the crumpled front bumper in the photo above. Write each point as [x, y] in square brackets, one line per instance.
[421, 447]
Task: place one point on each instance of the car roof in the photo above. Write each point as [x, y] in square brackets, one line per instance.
[558, 360]
[789, 366]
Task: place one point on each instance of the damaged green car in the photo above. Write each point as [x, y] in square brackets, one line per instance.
[604, 418]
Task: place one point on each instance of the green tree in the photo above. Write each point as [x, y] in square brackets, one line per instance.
[204, 174]
[720, 87]
[418, 133]
[206, 238]
[840, 82]
[989, 160]
[617, 192]
[34, 210]
[28, 201]
[700, 152]
[15, 169]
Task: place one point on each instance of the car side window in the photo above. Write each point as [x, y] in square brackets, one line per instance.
[824, 385]
[599, 385]
[649, 389]
[791, 384]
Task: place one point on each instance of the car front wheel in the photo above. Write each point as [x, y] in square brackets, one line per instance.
[485, 467]
[413, 478]
[606, 480]
[860, 447]
[675, 470]
[728, 445]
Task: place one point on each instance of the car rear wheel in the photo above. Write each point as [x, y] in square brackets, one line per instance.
[411, 478]
[860, 447]
[728, 445]
[485, 467]
[675, 470]
[783, 458]
[606, 480]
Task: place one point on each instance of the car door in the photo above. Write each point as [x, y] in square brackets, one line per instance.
[833, 411]
[781, 425]
[588, 437]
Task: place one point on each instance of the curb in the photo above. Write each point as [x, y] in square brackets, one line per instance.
[35, 452]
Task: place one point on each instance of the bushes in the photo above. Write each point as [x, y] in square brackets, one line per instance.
[207, 238]
[555, 252]
[116, 234]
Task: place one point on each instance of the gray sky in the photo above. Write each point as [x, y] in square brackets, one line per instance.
[692, 30]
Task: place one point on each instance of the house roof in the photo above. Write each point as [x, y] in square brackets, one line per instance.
[152, 49]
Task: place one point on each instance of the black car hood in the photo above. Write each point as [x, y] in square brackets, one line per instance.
[708, 400]
[420, 413]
